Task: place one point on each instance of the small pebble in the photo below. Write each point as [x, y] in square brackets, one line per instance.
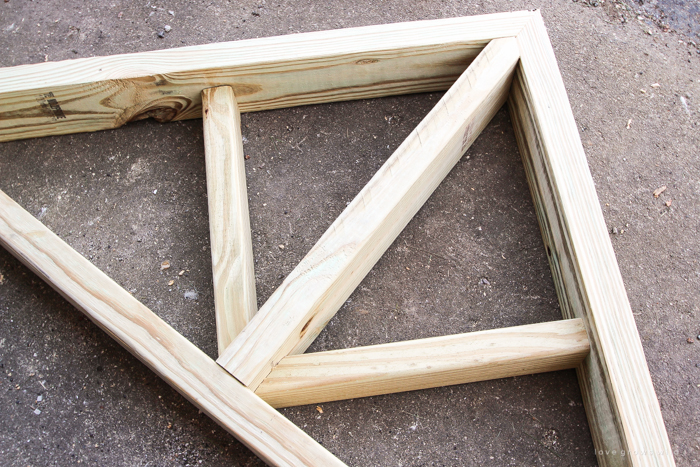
[39, 398]
[171, 12]
[614, 230]
[191, 295]
[161, 34]
[484, 281]
[281, 247]
[167, 28]
[165, 265]
[690, 340]
[37, 412]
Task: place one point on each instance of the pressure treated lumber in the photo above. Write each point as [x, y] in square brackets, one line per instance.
[314, 291]
[425, 363]
[235, 301]
[618, 394]
[99, 93]
[182, 365]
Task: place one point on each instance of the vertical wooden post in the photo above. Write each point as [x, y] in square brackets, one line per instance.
[229, 223]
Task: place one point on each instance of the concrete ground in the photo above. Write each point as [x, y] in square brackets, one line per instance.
[472, 258]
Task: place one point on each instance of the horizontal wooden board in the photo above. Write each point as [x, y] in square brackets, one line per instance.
[425, 363]
[182, 365]
[106, 92]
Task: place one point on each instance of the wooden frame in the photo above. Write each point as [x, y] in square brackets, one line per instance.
[511, 58]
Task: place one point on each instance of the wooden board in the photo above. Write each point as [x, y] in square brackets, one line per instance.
[98, 93]
[425, 363]
[314, 291]
[182, 365]
[235, 300]
[621, 405]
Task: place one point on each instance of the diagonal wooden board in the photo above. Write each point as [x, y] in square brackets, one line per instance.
[91, 94]
[311, 294]
[196, 376]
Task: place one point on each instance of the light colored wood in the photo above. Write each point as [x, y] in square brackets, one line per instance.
[235, 301]
[313, 292]
[182, 365]
[275, 72]
[623, 412]
[425, 363]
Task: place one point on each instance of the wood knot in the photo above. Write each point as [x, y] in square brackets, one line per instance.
[162, 115]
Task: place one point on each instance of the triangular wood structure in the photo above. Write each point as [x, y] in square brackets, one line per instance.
[261, 354]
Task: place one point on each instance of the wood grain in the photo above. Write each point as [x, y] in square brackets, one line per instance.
[106, 92]
[235, 301]
[182, 365]
[622, 408]
[312, 293]
[425, 363]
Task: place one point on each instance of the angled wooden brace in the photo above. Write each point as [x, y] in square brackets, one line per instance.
[175, 359]
[314, 291]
